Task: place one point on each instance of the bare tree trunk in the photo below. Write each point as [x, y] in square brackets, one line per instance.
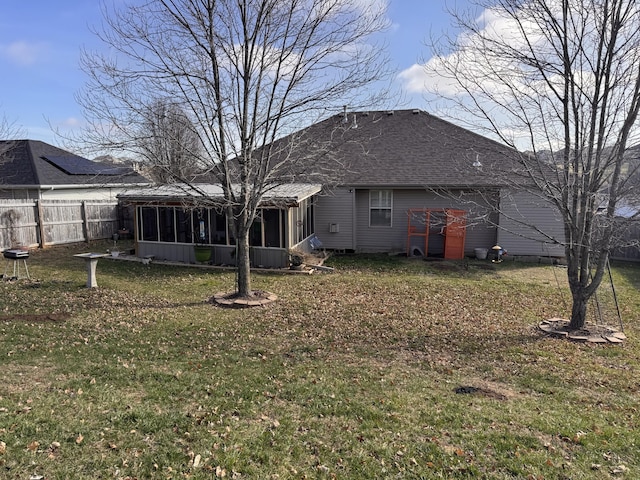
[243, 263]
[578, 311]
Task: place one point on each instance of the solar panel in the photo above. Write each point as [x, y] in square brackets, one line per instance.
[74, 165]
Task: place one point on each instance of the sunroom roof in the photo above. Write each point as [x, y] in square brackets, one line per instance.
[289, 194]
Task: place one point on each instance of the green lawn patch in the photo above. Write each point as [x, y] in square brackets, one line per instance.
[351, 374]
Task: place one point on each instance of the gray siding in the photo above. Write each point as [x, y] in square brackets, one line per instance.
[520, 210]
[262, 257]
[336, 207]
[394, 238]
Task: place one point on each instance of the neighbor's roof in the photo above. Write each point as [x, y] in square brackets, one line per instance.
[403, 148]
[287, 194]
[32, 163]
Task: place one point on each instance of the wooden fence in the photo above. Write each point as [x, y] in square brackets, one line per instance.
[631, 237]
[40, 223]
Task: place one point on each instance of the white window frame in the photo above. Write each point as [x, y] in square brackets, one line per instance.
[372, 194]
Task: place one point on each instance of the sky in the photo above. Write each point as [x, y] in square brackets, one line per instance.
[41, 43]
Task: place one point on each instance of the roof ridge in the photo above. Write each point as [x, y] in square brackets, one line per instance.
[34, 168]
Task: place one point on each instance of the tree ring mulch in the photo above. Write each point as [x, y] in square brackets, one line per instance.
[259, 298]
[591, 333]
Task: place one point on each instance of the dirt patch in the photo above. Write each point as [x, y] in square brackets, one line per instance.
[35, 317]
[485, 390]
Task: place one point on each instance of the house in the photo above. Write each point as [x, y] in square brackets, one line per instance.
[403, 182]
[51, 196]
[412, 181]
[35, 170]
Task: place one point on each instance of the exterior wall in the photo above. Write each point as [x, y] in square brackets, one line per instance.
[336, 208]
[19, 194]
[97, 193]
[394, 238]
[62, 193]
[261, 257]
[518, 210]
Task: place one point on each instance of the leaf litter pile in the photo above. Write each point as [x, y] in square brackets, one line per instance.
[383, 369]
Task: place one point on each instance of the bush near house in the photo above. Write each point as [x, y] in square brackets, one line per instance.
[387, 368]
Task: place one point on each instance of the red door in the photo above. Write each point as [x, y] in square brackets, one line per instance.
[455, 232]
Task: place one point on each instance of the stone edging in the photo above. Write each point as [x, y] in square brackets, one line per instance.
[591, 333]
[228, 299]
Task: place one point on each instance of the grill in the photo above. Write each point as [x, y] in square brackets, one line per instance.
[15, 256]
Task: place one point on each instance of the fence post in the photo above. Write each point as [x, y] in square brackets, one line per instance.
[85, 226]
[40, 223]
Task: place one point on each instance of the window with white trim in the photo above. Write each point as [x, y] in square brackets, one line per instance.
[380, 208]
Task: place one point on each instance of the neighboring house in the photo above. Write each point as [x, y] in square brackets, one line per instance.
[50, 196]
[403, 182]
[34, 170]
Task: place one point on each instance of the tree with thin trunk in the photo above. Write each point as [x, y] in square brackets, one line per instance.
[560, 80]
[169, 145]
[9, 131]
[246, 72]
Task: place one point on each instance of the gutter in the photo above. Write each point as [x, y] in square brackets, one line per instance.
[74, 186]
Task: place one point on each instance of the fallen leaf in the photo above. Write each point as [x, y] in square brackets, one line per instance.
[79, 439]
[33, 446]
[619, 470]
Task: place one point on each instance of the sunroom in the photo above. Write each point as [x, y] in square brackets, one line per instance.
[171, 221]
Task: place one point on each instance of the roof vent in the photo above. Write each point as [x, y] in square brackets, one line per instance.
[389, 112]
[416, 111]
[355, 122]
[345, 116]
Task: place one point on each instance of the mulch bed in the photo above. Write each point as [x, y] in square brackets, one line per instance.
[591, 332]
[258, 298]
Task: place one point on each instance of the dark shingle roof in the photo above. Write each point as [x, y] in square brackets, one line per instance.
[407, 148]
[24, 163]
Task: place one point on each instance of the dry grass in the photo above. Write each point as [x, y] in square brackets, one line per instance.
[348, 375]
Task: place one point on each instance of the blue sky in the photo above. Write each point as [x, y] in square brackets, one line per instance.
[41, 41]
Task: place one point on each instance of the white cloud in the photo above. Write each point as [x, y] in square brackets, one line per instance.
[71, 122]
[423, 78]
[429, 76]
[24, 53]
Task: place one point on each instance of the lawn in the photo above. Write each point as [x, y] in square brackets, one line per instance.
[350, 374]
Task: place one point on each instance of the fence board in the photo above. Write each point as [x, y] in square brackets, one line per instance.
[52, 222]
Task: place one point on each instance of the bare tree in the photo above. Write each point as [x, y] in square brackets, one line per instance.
[8, 131]
[559, 79]
[245, 71]
[169, 145]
